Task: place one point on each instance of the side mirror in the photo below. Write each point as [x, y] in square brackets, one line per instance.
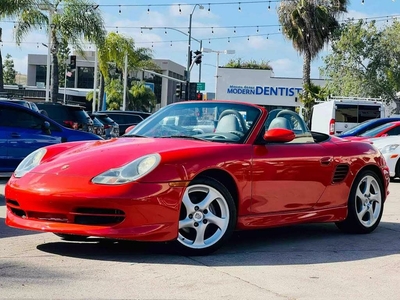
[129, 128]
[43, 112]
[46, 127]
[279, 135]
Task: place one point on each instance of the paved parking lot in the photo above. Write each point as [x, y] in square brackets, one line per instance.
[299, 262]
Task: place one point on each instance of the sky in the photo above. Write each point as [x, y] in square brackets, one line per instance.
[250, 28]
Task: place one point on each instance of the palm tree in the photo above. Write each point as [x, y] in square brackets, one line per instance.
[309, 24]
[112, 56]
[9, 9]
[69, 21]
[141, 97]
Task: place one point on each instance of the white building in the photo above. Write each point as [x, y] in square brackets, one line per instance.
[259, 87]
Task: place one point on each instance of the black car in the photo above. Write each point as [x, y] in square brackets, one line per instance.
[124, 119]
[68, 115]
[111, 128]
[98, 126]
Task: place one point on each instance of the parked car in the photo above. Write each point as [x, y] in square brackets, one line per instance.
[367, 125]
[143, 114]
[124, 119]
[111, 128]
[390, 149]
[68, 115]
[388, 129]
[171, 183]
[23, 130]
[340, 113]
[26, 103]
[98, 126]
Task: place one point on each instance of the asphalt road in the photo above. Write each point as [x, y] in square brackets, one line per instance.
[300, 262]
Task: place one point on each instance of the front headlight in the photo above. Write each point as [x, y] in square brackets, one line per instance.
[130, 172]
[389, 148]
[30, 162]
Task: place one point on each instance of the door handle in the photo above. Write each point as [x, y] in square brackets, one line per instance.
[15, 135]
[326, 160]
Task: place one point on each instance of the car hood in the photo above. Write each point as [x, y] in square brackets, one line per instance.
[89, 158]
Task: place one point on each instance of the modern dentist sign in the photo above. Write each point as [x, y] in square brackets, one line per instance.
[280, 91]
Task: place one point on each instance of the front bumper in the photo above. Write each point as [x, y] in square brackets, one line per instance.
[73, 205]
[391, 161]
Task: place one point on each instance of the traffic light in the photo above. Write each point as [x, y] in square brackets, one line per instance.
[199, 96]
[197, 57]
[178, 90]
[72, 62]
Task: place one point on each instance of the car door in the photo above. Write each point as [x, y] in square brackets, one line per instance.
[290, 176]
[25, 134]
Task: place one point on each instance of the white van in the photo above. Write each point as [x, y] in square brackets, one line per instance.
[338, 114]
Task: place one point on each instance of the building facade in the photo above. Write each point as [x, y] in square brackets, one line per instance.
[260, 87]
[81, 80]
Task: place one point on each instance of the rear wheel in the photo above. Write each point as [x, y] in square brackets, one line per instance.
[207, 217]
[365, 205]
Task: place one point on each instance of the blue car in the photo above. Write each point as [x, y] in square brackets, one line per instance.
[367, 125]
[23, 130]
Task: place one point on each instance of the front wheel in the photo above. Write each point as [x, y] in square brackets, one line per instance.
[207, 217]
[365, 205]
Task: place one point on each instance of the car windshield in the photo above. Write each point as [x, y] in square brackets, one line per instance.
[375, 131]
[207, 120]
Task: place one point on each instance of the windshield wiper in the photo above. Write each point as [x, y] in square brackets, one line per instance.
[184, 137]
[134, 135]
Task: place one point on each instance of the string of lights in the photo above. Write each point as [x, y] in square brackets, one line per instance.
[208, 4]
[234, 27]
[210, 39]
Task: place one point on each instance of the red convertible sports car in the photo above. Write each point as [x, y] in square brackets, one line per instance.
[194, 172]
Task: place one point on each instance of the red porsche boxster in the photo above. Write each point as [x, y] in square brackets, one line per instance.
[194, 172]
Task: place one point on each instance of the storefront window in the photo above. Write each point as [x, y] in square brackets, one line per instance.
[85, 77]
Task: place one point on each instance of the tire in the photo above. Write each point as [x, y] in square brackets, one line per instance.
[397, 169]
[72, 237]
[207, 217]
[365, 204]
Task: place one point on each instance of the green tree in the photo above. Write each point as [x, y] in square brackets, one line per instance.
[308, 99]
[309, 24]
[364, 61]
[71, 21]
[248, 64]
[9, 72]
[112, 57]
[141, 98]
[10, 9]
[114, 91]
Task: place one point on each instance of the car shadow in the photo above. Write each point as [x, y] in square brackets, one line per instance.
[300, 244]
[6, 231]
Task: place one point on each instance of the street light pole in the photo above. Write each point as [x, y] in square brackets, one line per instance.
[192, 38]
[207, 50]
[48, 64]
[187, 88]
[201, 46]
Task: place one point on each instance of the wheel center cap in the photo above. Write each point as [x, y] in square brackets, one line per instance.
[198, 216]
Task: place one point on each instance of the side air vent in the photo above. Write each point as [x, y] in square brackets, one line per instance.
[340, 173]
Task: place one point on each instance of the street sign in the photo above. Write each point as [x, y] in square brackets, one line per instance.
[150, 85]
[201, 86]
